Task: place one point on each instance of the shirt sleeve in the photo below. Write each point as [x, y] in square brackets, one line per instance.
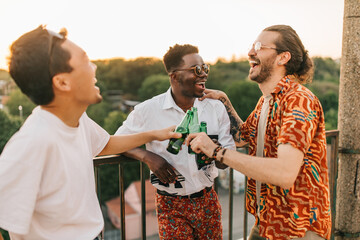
[248, 129]
[21, 165]
[300, 119]
[98, 136]
[133, 124]
[225, 138]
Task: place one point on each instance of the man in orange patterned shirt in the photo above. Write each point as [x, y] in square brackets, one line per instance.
[288, 189]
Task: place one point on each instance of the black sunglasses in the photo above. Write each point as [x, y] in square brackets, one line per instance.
[197, 69]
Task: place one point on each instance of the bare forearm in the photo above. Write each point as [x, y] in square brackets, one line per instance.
[235, 120]
[123, 143]
[136, 153]
[281, 171]
[265, 170]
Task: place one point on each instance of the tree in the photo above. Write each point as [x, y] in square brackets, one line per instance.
[326, 69]
[127, 75]
[98, 112]
[243, 95]
[331, 119]
[153, 85]
[8, 126]
[328, 94]
[16, 99]
[113, 121]
[222, 74]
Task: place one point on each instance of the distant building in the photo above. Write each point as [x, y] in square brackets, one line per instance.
[6, 87]
[133, 210]
[115, 97]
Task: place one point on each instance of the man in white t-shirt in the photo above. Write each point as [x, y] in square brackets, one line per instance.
[187, 206]
[47, 187]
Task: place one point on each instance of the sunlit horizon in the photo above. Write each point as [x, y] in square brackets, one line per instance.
[139, 28]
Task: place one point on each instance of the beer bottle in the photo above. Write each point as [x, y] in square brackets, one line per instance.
[194, 126]
[201, 158]
[174, 145]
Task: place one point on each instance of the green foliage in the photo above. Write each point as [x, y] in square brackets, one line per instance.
[127, 75]
[222, 74]
[243, 95]
[328, 94]
[8, 125]
[16, 99]
[326, 69]
[113, 121]
[153, 85]
[98, 112]
[331, 119]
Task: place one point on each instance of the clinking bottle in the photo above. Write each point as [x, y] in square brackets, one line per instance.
[194, 126]
[175, 144]
[201, 158]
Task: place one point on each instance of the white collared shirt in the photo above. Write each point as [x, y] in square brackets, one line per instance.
[161, 111]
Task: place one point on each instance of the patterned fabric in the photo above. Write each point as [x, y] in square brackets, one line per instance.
[195, 218]
[295, 117]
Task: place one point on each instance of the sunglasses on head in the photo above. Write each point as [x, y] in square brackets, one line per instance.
[52, 35]
[197, 69]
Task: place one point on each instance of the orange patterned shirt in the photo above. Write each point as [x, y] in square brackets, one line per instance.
[295, 117]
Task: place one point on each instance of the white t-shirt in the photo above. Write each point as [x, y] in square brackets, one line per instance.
[161, 111]
[261, 139]
[47, 185]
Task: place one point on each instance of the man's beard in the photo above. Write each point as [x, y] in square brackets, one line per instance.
[265, 72]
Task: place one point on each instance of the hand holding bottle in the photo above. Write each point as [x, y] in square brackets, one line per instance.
[175, 144]
[166, 133]
[200, 142]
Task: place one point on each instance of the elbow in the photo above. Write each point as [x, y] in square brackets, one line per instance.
[287, 182]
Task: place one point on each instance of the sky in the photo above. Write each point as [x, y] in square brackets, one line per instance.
[147, 28]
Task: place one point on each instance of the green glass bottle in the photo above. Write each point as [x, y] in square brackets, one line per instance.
[202, 159]
[194, 126]
[175, 144]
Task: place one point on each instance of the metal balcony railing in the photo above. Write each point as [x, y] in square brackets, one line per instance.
[120, 160]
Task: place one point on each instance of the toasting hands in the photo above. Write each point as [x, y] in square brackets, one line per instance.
[200, 142]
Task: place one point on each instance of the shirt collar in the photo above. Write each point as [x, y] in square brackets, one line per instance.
[169, 102]
[282, 85]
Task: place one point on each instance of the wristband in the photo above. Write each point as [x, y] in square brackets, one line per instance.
[216, 150]
[222, 155]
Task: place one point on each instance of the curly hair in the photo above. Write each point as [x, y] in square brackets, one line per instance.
[174, 56]
[300, 65]
[32, 65]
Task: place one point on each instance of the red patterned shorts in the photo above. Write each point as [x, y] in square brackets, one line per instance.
[185, 218]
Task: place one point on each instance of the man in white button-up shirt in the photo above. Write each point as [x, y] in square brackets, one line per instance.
[187, 206]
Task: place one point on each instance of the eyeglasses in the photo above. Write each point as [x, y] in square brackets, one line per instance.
[258, 46]
[52, 35]
[197, 69]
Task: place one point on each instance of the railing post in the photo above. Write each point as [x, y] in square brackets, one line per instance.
[122, 201]
[231, 196]
[143, 201]
[245, 222]
[333, 175]
[98, 192]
